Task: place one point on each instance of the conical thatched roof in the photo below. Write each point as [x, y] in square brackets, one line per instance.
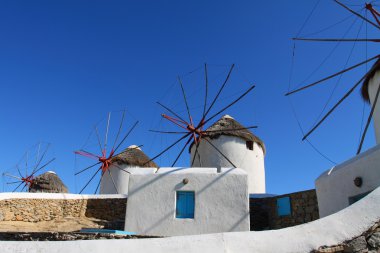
[48, 182]
[134, 156]
[370, 74]
[228, 123]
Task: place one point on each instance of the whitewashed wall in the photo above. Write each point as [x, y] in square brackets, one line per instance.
[332, 230]
[373, 85]
[120, 177]
[234, 148]
[221, 201]
[335, 186]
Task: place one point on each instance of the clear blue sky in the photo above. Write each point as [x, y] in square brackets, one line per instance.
[65, 64]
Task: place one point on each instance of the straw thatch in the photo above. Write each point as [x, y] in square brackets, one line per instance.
[371, 73]
[133, 156]
[48, 182]
[227, 123]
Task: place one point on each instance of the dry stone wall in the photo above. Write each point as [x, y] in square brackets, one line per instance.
[36, 210]
[368, 242]
[264, 211]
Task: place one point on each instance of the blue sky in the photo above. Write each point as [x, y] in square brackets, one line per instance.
[65, 64]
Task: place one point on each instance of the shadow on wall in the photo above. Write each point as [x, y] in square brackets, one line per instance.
[110, 211]
[160, 175]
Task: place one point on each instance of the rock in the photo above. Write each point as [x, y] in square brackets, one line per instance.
[19, 218]
[374, 240]
[358, 244]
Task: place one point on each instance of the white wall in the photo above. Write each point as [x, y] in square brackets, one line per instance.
[332, 230]
[234, 148]
[221, 201]
[373, 85]
[335, 186]
[120, 177]
[45, 195]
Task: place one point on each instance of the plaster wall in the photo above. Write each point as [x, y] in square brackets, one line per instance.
[335, 186]
[373, 86]
[332, 230]
[116, 182]
[234, 148]
[221, 201]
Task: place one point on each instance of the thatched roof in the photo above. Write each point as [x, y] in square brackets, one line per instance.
[226, 123]
[48, 182]
[371, 73]
[134, 156]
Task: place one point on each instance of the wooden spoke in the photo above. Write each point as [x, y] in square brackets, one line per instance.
[100, 181]
[180, 153]
[220, 152]
[125, 137]
[231, 104]
[336, 40]
[206, 93]
[113, 181]
[334, 107]
[118, 132]
[185, 99]
[89, 181]
[17, 187]
[334, 75]
[43, 166]
[171, 111]
[89, 167]
[357, 14]
[368, 121]
[166, 149]
[166, 132]
[220, 90]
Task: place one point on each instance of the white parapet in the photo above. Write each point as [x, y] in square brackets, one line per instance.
[220, 201]
[336, 188]
[332, 230]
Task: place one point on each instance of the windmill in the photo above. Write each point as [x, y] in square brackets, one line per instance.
[99, 150]
[364, 79]
[194, 131]
[21, 177]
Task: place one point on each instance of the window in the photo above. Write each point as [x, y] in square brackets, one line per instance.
[356, 198]
[283, 206]
[185, 205]
[249, 145]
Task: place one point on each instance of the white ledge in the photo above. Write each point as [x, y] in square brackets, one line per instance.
[29, 195]
[331, 230]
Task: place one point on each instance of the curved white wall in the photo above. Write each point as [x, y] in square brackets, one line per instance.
[335, 186]
[120, 177]
[252, 161]
[373, 85]
[332, 230]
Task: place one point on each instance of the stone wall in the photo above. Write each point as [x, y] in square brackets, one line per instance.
[264, 214]
[111, 211]
[368, 242]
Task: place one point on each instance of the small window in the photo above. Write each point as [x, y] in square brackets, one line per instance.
[249, 145]
[356, 198]
[185, 205]
[283, 206]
